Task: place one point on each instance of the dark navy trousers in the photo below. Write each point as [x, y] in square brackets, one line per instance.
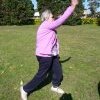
[46, 64]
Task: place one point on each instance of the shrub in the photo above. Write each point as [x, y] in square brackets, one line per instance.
[95, 21]
[37, 21]
[74, 21]
[98, 22]
[26, 22]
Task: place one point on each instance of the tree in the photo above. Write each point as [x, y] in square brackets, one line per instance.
[43, 4]
[56, 6]
[1, 12]
[16, 11]
[75, 19]
[59, 6]
[94, 4]
[24, 11]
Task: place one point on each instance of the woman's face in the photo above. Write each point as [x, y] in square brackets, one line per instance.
[51, 18]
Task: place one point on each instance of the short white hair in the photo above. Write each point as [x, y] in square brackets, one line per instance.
[45, 15]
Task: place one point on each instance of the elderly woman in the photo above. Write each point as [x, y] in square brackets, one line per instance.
[47, 51]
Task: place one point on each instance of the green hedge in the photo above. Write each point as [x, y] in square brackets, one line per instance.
[98, 22]
[95, 21]
[73, 21]
[37, 21]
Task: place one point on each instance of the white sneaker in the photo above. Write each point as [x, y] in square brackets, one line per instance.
[23, 94]
[57, 89]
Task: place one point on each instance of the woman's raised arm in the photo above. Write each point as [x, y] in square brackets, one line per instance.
[64, 17]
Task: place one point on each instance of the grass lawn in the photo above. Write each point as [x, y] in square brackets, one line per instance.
[81, 72]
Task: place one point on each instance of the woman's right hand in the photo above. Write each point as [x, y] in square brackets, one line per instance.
[74, 3]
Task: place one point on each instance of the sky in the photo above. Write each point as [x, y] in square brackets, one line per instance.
[35, 4]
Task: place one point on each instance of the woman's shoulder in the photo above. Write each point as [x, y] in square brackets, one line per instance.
[44, 24]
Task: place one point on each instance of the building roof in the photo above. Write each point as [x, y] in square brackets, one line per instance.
[86, 12]
[36, 14]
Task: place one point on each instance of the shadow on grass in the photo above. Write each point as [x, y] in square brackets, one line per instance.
[99, 88]
[66, 96]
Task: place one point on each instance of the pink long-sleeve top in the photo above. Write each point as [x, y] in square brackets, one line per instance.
[46, 42]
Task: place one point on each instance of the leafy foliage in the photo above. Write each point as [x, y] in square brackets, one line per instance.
[15, 11]
[91, 20]
[94, 4]
[59, 6]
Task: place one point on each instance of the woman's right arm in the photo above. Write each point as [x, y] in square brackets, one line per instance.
[64, 17]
